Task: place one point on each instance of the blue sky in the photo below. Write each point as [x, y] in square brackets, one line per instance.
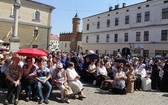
[66, 10]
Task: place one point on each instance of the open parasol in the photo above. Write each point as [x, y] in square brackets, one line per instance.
[34, 52]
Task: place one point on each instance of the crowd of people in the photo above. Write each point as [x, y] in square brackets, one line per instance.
[117, 74]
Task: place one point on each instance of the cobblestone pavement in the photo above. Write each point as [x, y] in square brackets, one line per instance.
[95, 96]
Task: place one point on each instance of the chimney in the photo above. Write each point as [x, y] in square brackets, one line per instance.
[116, 6]
[124, 5]
[110, 8]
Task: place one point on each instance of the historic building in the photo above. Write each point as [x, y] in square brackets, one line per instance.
[54, 43]
[140, 28]
[72, 41]
[34, 23]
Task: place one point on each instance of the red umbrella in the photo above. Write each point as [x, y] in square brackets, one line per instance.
[31, 52]
[46, 51]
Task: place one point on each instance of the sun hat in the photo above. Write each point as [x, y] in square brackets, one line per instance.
[59, 65]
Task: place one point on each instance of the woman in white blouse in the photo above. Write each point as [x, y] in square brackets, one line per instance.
[146, 81]
[73, 81]
[101, 72]
[59, 79]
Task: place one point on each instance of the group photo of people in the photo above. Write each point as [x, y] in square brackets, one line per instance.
[35, 77]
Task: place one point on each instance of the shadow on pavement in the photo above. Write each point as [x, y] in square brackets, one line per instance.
[55, 96]
[165, 95]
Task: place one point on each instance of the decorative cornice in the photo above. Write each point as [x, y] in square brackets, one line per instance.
[154, 25]
[26, 23]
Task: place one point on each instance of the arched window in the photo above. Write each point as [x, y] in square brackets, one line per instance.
[13, 12]
[37, 15]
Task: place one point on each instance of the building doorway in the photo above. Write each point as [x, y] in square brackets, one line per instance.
[125, 52]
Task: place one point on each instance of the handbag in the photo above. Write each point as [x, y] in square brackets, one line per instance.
[68, 90]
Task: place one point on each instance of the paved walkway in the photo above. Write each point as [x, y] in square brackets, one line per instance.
[96, 96]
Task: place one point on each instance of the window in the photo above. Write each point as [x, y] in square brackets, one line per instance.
[166, 1]
[34, 46]
[165, 13]
[147, 5]
[126, 19]
[116, 21]
[87, 38]
[87, 27]
[97, 38]
[107, 37]
[126, 37]
[147, 16]
[98, 25]
[36, 33]
[116, 38]
[139, 7]
[86, 51]
[138, 35]
[13, 12]
[164, 35]
[65, 45]
[146, 35]
[36, 16]
[138, 17]
[97, 51]
[108, 23]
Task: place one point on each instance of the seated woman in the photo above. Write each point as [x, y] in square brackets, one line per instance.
[59, 79]
[138, 81]
[108, 65]
[13, 77]
[74, 82]
[118, 84]
[101, 73]
[29, 81]
[3, 70]
[146, 81]
[91, 71]
[130, 79]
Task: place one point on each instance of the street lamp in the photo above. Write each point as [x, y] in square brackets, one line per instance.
[35, 35]
[14, 41]
[36, 32]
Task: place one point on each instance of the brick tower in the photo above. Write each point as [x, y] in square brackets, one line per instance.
[75, 31]
[76, 23]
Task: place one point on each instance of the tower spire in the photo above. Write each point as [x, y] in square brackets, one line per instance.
[76, 15]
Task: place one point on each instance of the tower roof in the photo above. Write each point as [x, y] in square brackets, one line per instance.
[76, 15]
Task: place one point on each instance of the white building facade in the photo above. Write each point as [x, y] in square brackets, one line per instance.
[140, 28]
[64, 46]
[54, 43]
